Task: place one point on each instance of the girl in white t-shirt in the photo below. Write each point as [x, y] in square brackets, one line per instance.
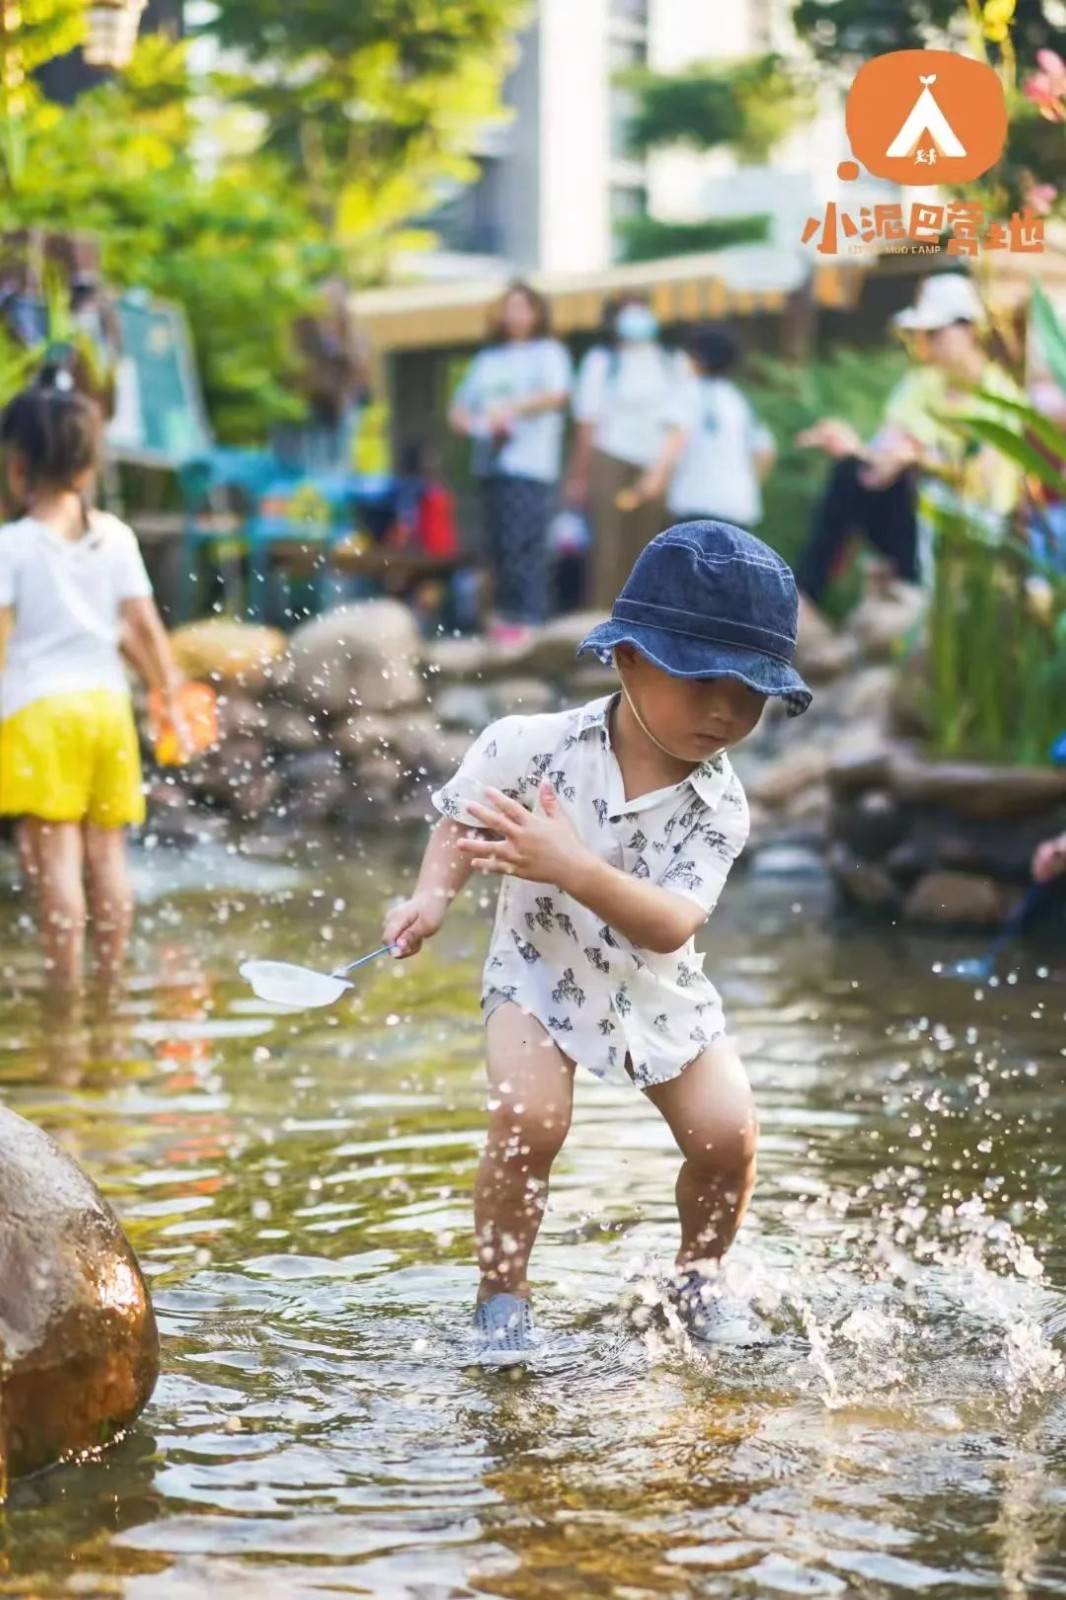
[729, 451]
[72, 585]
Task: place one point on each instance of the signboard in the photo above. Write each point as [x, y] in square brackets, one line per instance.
[159, 411]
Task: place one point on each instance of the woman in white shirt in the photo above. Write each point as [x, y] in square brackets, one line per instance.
[729, 451]
[511, 403]
[629, 436]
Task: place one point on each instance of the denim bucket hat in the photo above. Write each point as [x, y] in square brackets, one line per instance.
[707, 600]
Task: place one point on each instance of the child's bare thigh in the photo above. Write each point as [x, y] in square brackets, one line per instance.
[526, 1068]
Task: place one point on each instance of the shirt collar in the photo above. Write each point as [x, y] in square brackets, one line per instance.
[708, 780]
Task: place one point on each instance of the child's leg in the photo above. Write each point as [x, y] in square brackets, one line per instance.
[53, 852]
[711, 1115]
[110, 897]
[531, 1088]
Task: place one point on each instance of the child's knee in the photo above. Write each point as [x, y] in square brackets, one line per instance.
[65, 913]
[528, 1133]
[728, 1144]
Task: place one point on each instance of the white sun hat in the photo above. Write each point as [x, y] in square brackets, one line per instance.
[946, 298]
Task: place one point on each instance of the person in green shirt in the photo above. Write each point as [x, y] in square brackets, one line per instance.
[873, 488]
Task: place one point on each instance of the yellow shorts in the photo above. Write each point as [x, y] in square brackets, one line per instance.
[72, 758]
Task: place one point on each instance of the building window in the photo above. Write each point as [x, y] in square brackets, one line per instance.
[634, 12]
[468, 221]
[628, 200]
[624, 55]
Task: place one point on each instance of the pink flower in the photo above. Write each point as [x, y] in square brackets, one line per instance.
[1041, 197]
[1047, 88]
[1043, 92]
[1051, 63]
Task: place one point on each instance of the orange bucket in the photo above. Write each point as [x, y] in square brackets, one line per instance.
[197, 706]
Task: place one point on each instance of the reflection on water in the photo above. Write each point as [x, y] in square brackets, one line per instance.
[298, 1190]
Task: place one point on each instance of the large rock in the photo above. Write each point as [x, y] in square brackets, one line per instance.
[974, 789]
[360, 656]
[459, 661]
[552, 650]
[864, 882]
[958, 898]
[240, 717]
[412, 738]
[862, 763]
[227, 651]
[80, 1351]
[792, 773]
[910, 711]
[463, 705]
[940, 838]
[525, 697]
[821, 652]
[292, 730]
[887, 616]
[315, 785]
[828, 659]
[866, 696]
[870, 822]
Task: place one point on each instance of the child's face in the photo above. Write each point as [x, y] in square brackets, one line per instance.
[693, 718]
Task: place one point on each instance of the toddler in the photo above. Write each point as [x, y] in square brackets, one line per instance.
[613, 828]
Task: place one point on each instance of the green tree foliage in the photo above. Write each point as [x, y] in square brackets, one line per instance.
[360, 107]
[240, 250]
[371, 106]
[848, 31]
[31, 33]
[748, 105]
[648, 239]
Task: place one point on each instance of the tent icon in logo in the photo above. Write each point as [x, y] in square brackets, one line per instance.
[925, 118]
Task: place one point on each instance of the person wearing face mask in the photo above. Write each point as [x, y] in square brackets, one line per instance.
[630, 415]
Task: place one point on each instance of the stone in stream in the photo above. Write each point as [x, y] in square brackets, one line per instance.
[360, 656]
[78, 1340]
[961, 898]
[227, 651]
[864, 882]
[972, 788]
[884, 618]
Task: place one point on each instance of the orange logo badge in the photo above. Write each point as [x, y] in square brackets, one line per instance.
[926, 116]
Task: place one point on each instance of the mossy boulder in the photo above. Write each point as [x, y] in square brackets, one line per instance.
[79, 1350]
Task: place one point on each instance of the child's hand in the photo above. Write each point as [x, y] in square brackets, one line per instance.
[1049, 859]
[541, 846]
[412, 921]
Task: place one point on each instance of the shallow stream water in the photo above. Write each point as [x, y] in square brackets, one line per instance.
[298, 1190]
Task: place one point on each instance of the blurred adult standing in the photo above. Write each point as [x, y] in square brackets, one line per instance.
[729, 451]
[630, 414]
[511, 403]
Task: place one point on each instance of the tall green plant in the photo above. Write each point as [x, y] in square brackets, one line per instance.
[998, 625]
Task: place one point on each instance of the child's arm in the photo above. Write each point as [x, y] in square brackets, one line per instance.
[145, 641]
[544, 847]
[443, 873]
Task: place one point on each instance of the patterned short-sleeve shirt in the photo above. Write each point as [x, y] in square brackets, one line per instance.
[600, 997]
